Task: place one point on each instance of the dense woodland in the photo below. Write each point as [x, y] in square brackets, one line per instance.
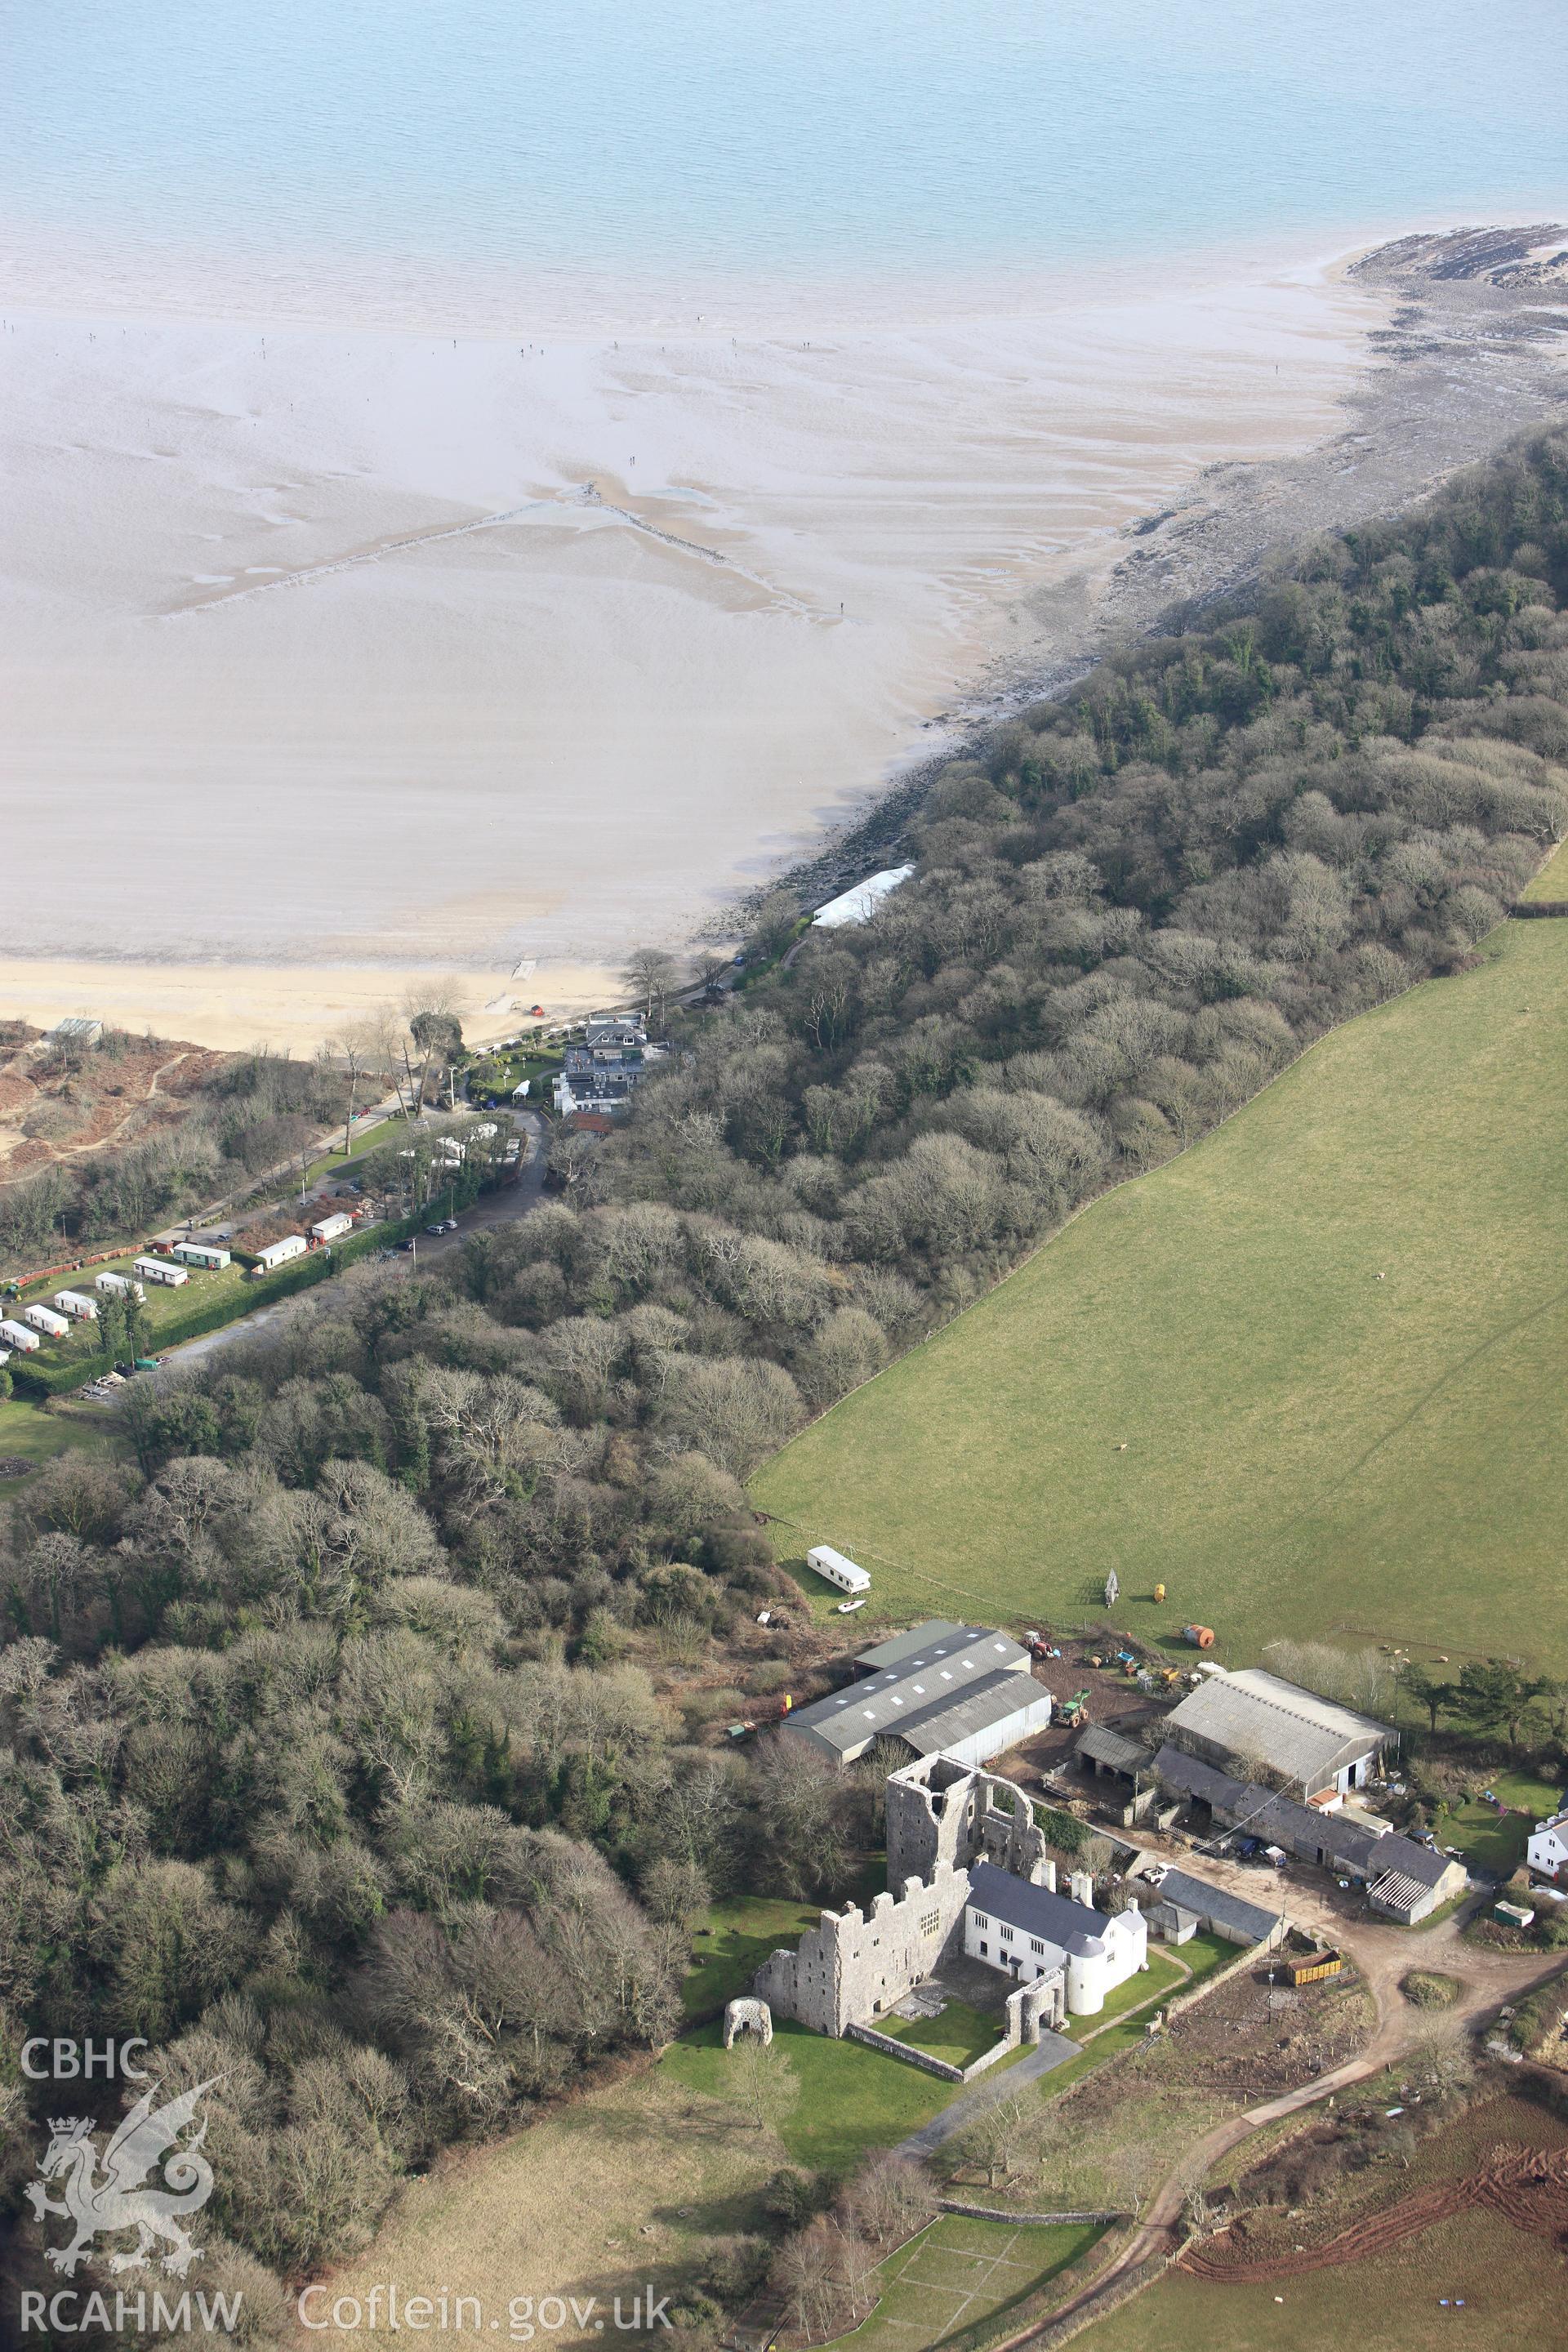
[206, 1136]
[356, 1738]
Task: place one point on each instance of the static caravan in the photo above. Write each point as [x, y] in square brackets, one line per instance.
[17, 1335]
[838, 1570]
[279, 1253]
[80, 1309]
[202, 1254]
[158, 1269]
[120, 1285]
[331, 1227]
[45, 1319]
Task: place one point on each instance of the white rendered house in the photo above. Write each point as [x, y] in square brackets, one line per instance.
[1026, 1931]
[1547, 1848]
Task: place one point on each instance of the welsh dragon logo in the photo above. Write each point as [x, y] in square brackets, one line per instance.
[115, 2199]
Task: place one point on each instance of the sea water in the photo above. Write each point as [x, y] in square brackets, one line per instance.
[454, 160]
[487, 481]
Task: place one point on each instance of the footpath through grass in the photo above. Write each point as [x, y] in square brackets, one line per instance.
[1307, 1375]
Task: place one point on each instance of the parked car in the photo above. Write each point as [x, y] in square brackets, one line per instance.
[435, 1229]
[449, 1224]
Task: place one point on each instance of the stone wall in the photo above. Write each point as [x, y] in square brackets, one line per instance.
[939, 1811]
[911, 2055]
[855, 1964]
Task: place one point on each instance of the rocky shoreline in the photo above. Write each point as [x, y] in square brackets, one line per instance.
[1475, 349]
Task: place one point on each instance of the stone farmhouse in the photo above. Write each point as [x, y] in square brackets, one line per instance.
[1315, 1748]
[960, 1691]
[973, 1877]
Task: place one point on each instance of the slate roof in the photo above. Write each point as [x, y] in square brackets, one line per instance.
[1054, 1919]
[1301, 1829]
[1251, 1922]
[1307, 1737]
[1114, 1749]
[1189, 1775]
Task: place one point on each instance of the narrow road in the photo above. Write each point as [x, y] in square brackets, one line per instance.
[1384, 1955]
[1055, 2049]
[505, 1204]
[501, 1207]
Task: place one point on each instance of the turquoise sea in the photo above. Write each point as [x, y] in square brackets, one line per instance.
[324, 156]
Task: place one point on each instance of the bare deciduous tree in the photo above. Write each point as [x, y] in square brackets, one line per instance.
[761, 2082]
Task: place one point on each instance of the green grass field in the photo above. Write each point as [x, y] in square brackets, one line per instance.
[851, 2098]
[1202, 1380]
[28, 1434]
[960, 2272]
[1494, 1840]
[361, 1141]
[960, 2035]
[733, 1939]
[1551, 882]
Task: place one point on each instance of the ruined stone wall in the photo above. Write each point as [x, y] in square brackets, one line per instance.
[939, 1812]
[855, 1964]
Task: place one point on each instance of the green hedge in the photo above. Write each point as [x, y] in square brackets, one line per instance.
[203, 1316]
[59, 1379]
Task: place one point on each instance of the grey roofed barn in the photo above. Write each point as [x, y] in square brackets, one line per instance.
[1313, 1742]
[1112, 1748]
[1231, 1915]
[982, 1721]
[968, 1691]
[1312, 1832]
[940, 1637]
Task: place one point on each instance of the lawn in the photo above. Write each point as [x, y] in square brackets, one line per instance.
[961, 2034]
[361, 1141]
[960, 2272]
[1158, 1981]
[28, 1433]
[1206, 1955]
[733, 1939]
[1307, 1375]
[1487, 1838]
[1525, 1793]
[852, 2098]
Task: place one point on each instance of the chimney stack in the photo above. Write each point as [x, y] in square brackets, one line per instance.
[1083, 1889]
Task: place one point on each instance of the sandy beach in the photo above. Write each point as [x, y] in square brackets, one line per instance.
[332, 656]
